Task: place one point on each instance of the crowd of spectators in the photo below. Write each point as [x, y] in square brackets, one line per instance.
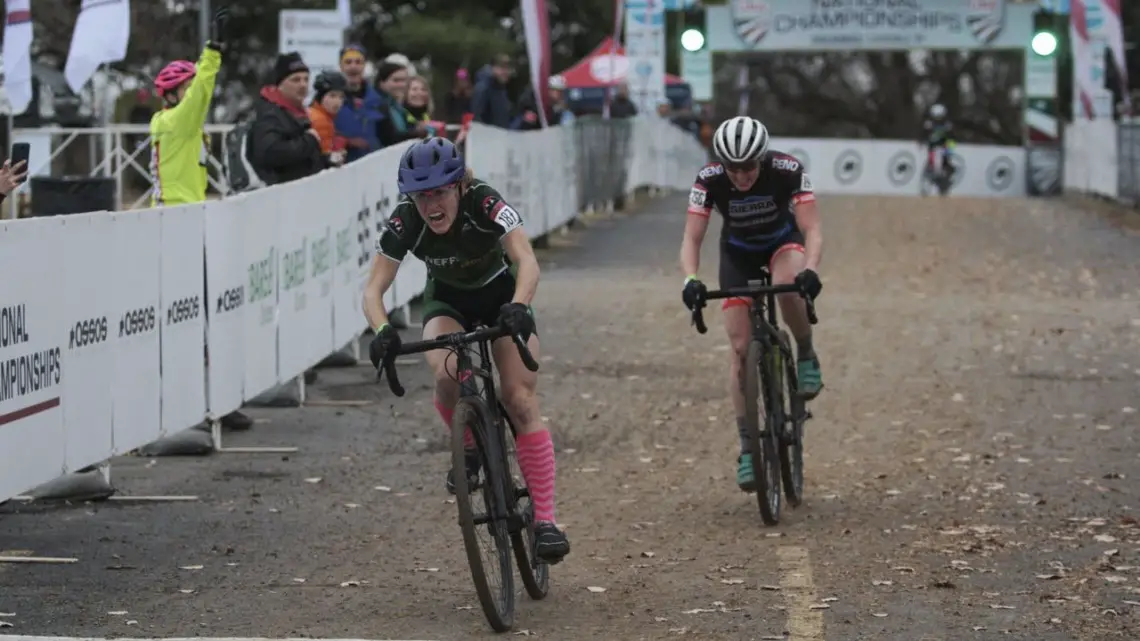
[352, 115]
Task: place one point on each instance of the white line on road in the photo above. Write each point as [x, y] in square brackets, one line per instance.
[804, 623]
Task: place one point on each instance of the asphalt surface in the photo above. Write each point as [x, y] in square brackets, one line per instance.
[971, 466]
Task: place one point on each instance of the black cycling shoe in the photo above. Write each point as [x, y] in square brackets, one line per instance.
[473, 465]
[550, 543]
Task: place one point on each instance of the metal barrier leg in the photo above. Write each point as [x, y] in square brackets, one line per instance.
[92, 484]
[216, 436]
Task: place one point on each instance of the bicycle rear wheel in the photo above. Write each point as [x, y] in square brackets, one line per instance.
[498, 602]
[534, 572]
[765, 457]
[792, 435]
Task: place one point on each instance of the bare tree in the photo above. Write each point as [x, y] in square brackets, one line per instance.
[876, 94]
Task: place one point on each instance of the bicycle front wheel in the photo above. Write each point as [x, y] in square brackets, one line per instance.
[792, 435]
[489, 556]
[763, 438]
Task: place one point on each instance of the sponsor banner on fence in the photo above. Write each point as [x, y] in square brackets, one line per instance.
[94, 337]
[895, 168]
[135, 285]
[33, 346]
[183, 317]
[784, 25]
[261, 217]
[227, 285]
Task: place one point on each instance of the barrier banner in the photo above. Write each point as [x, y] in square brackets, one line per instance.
[304, 329]
[93, 336]
[183, 333]
[134, 286]
[889, 167]
[33, 341]
[261, 217]
[227, 285]
[353, 258]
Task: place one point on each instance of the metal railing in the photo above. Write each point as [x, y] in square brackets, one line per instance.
[114, 152]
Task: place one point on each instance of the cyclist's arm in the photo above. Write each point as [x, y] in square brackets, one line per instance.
[696, 225]
[390, 250]
[807, 220]
[517, 245]
[383, 273]
[190, 114]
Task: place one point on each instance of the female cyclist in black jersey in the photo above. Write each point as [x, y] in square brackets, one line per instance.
[770, 222]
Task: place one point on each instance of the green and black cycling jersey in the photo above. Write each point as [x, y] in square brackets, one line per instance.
[470, 255]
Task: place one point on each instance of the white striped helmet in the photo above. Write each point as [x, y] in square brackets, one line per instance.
[740, 139]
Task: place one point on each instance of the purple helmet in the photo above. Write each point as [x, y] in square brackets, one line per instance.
[430, 163]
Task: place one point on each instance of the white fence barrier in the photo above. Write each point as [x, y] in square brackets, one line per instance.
[105, 317]
[1092, 158]
[1102, 158]
[892, 167]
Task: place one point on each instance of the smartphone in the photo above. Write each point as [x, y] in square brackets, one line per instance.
[20, 151]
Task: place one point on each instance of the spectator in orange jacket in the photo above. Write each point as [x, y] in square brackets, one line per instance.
[330, 89]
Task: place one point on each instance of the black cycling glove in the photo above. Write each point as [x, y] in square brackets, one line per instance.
[516, 319]
[693, 295]
[218, 27]
[809, 282]
[385, 343]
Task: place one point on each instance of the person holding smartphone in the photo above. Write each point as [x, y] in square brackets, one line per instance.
[12, 176]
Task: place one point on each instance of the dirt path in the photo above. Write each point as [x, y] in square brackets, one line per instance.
[970, 468]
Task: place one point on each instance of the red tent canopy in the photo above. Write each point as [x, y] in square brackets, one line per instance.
[597, 69]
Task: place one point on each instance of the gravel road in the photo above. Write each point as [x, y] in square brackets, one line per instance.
[971, 465]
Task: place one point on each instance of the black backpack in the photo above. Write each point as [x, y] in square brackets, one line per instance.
[240, 174]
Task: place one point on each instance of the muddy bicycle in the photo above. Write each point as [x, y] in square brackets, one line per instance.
[769, 377]
[507, 513]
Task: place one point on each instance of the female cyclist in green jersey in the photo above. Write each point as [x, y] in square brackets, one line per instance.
[179, 146]
[481, 270]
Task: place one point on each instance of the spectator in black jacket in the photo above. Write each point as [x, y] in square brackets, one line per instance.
[283, 144]
[490, 102]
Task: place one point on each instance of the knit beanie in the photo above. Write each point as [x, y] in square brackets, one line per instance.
[287, 64]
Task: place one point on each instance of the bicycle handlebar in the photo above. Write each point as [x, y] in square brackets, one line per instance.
[457, 340]
[752, 291]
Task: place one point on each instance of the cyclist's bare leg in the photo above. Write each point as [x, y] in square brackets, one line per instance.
[442, 364]
[787, 262]
[739, 329]
[533, 445]
[738, 326]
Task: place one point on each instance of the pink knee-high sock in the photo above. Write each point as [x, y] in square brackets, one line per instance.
[447, 414]
[535, 452]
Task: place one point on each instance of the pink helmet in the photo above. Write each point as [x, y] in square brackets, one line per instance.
[173, 75]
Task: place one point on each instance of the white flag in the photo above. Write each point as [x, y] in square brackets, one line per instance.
[101, 36]
[18, 55]
[345, 10]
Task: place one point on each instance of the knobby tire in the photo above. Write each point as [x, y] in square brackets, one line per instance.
[471, 412]
[792, 440]
[765, 458]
